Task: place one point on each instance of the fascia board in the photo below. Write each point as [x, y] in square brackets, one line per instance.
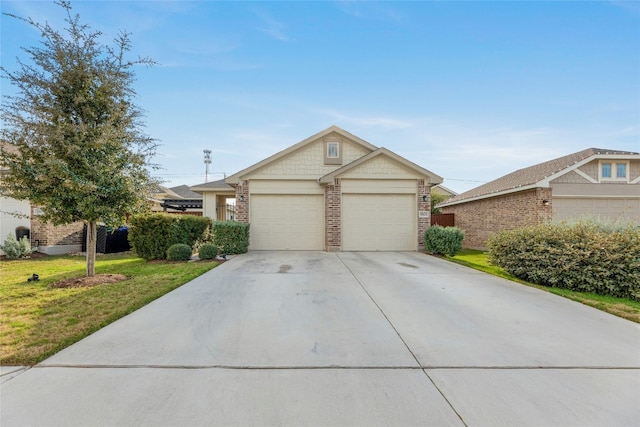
[490, 195]
[433, 178]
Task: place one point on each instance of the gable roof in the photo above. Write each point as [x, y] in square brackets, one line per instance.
[433, 178]
[185, 192]
[535, 176]
[444, 190]
[235, 178]
[211, 186]
[161, 189]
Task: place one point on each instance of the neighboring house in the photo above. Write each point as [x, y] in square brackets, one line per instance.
[335, 192]
[593, 182]
[443, 191]
[176, 200]
[218, 200]
[46, 238]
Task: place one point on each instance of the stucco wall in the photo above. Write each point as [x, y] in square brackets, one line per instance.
[13, 213]
[482, 218]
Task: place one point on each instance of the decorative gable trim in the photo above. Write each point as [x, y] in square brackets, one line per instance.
[236, 178]
[432, 177]
[585, 176]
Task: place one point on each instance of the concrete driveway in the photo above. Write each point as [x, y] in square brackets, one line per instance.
[314, 338]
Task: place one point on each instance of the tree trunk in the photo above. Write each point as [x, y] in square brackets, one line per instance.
[91, 247]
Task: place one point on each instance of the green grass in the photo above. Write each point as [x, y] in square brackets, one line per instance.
[37, 321]
[622, 307]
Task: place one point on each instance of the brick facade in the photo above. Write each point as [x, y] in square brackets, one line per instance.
[333, 219]
[423, 206]
[242, 202]
[481, 218]
[44, 234]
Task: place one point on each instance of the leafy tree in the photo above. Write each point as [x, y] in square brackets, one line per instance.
[73, 141]
[435, 199]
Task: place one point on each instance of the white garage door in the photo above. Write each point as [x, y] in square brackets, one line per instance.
[614, 209]
[286, 222]
[378, 222]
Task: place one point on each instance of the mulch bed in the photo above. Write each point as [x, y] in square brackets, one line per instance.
[82, 282]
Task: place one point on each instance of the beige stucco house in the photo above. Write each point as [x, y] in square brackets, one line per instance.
[594, 182]
[332, 191]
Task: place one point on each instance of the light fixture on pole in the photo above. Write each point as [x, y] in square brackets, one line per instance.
[207, 162]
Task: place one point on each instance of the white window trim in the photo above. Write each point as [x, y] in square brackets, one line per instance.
[614, 171]
[329, 145]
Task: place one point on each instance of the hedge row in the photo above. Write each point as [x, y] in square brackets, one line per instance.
[443, 240]
[152, 235]
[231, 237]
[586, 256]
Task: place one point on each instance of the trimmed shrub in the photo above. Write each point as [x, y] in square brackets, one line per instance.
[443, 240]
[179, 252]
[586, 256]
[14, 248]
[208, 251]
[151, 235]
[231, 237]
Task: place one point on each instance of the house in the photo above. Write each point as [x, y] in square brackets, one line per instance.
[21, 218]
[593, 182]
[176, 200]
[441, 190]
[332, 191]
[218, 200]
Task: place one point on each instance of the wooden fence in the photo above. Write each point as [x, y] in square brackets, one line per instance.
[443, 220]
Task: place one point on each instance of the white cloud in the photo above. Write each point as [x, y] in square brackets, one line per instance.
[273, 28]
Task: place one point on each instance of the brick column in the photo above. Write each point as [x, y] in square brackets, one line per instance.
[423, 222]
[242, 202]
[333, 219]
[544, 212]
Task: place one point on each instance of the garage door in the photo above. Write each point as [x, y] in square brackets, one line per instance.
[615, 209]
[287, 222]
[378, 222]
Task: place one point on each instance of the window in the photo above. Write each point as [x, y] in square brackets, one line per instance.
[613, 171]
[332, 150]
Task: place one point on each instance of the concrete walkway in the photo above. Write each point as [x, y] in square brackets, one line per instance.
[321, 339]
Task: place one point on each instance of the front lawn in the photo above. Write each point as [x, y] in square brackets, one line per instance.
[37, 320]
[621, 307]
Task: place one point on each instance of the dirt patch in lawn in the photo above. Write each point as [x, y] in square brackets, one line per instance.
[83, 282]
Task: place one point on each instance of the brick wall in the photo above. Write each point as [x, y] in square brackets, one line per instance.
[482, 218]
[333, 217]
[242, 202]
[425, 222]
[54, 235]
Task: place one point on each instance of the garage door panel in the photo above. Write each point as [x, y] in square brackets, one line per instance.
[287, 222]
[615, 209]
[378, 222]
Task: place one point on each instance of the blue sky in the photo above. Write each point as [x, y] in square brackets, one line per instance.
[469, 90]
